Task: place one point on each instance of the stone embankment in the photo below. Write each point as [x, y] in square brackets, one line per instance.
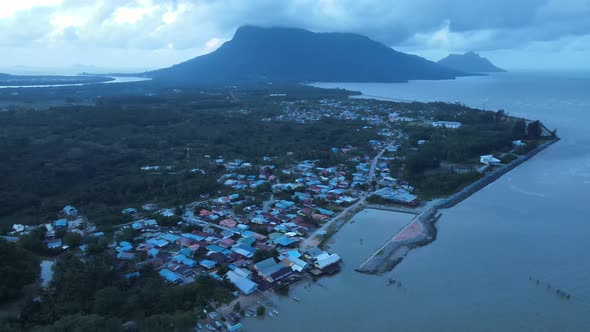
[422, 229]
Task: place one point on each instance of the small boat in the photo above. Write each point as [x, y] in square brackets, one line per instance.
[199, 326]
[270, 314]
[210, 327]
[390, 281]
[276, 312]
[295, 298]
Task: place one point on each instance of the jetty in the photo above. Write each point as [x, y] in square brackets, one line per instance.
[422, 230]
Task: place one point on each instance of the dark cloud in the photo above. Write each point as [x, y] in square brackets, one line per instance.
[192, 24]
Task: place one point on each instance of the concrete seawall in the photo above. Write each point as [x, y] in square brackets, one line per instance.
[394, 251]
[491, 177]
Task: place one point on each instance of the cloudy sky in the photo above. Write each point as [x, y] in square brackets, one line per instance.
[142, 34]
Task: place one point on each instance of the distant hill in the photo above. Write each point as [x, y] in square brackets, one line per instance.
[469, 62]
[295, 55]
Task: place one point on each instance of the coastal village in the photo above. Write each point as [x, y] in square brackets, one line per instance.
[265, 229]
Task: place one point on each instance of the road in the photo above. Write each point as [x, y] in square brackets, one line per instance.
[315, 237]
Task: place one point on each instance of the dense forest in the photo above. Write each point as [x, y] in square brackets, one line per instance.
[481, 133]
[90, 156]
[90, 295]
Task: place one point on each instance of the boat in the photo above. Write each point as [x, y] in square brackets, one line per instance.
[210, 327]
[295, 298]
[276, 312]
[199, 326]
[270, 314]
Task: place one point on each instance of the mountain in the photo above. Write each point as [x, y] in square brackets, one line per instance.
[469, 62]
[258, 54]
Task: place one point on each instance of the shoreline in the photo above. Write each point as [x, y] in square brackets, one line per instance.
[422, 229]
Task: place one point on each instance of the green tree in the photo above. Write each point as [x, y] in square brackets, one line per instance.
[72, 239]
[260, 310]
[263, 254]
[109, 301]
[84, 323]
[518, 130]
[19, 267]
[34, 241]
[534, 130]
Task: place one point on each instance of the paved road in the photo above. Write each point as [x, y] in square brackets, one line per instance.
[314, 238]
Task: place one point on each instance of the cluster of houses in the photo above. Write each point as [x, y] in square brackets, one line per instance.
[302, 111]
[220, 251]
[69, 221]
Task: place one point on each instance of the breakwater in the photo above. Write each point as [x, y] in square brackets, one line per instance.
[491, 177]
[422, 229]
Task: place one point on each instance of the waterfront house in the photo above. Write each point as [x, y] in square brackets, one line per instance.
[268, 268]
[244, 284]
[397, 195]
[326, 260]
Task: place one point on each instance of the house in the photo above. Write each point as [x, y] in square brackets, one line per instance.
[244, 284]
[313, 253]
[153, 252]
[170, 237]
[272, 271]
[446, 124]
[70, 210]
[158, 242]
[294, 263]
[126, 256]
[185, 261]
[284, 241]
[129, 211]
[489, 160]
[54, 244]
[169, 275]
[397, 195]
[207, 263]
[518, 143]
[226, 243]
[241, 272]
[61, 223]
[243, 250]
[218, 257]
[228, 223]
[324, 261]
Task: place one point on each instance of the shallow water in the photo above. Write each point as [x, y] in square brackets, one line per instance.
[532, 222]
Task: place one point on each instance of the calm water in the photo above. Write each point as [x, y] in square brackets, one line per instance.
[115, 80]
[46, 272]
[534, 221]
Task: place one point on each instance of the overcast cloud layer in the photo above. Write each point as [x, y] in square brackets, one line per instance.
[128, 34]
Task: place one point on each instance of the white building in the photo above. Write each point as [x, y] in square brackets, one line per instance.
[446, 124]
[489, 160]
[70, 210]
[326, 260]
[518, 143]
